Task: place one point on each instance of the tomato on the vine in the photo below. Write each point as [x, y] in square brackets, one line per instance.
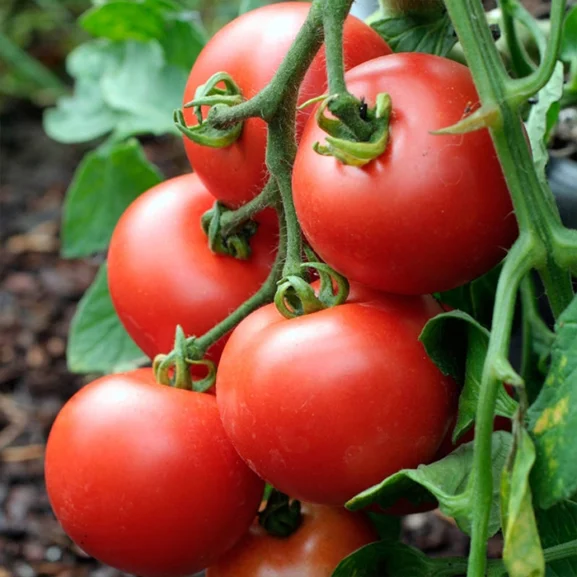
[325, 536]
[143, 477]
[161, 272]
[250, 49]
[433, 211]
[325, 405]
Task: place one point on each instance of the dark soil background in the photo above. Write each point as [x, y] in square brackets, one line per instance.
[38, 296]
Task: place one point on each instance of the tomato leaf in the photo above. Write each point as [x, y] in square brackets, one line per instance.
[522, 553]
[553, 418]
[98, 342]
[569, 40]
[432, 32]
[559, 525]
[542, 119]
[394, 558]
[458, 344]
[445, 480]
[107, 180]
[476, 298]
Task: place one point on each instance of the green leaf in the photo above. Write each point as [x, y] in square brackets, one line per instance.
[458, 344]
[124, 20]
[542, 118]
[85, 115]
[445, 480]
[248, 5]
[398, 560]
[106, 182]
[125, 87]
[431, 32]
[553, 418]
[98, 342]
[558, 525]
[476, 298]
[522, 553]
[569, 41]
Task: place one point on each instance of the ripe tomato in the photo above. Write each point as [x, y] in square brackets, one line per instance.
[251, 49]
[325, 537]
[431, 213]
[143, 477]
[325, 405]
[161, 272]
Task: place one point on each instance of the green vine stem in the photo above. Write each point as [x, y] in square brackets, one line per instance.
[539, 225]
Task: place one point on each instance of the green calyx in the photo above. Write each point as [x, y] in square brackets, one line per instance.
[296, 297]
[211, 94]
[174, 369]
[236, 242]
[343, 141]
[281, 517]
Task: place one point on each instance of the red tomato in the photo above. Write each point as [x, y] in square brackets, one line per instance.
[432, 212]
[325, 405]
[326, 536]
[251, 49]
[161, 272]
[143, 477]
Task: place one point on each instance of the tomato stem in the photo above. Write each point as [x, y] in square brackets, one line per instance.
[282, 516]
[520, 61]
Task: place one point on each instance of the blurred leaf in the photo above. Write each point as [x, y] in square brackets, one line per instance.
[458, 344]
[125, 87]
[445, 480]
[248, 5]
[98, 342]
[559, 525]
[397, 560]
[569, 41]
[553, 418]
[432, 32]
[106, 182]
[522, 553]
[542, 119]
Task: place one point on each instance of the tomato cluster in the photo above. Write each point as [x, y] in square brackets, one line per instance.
[161, 481]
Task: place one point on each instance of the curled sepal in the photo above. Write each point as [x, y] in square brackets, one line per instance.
[235, 243]
[296, 297]
[281, 517]
[340, 143]
[202, 385]
[210, 94]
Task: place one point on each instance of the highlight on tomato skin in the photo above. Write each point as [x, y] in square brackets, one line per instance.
[161, 272]
[326, 536]
[432, 212]
[142, 477]
[326, 405]
[262, 36]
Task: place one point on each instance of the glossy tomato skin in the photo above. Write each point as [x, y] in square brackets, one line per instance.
[326, 536]
[326, 405]
[250, 49]
[161, 272]
[142, 476]
[431, 213]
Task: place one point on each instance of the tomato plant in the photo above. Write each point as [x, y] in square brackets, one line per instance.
[163, 227]
[143, 477]
[431, 213]
[413, 176]
[287, 382]
[326, 535]
[263, 37]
